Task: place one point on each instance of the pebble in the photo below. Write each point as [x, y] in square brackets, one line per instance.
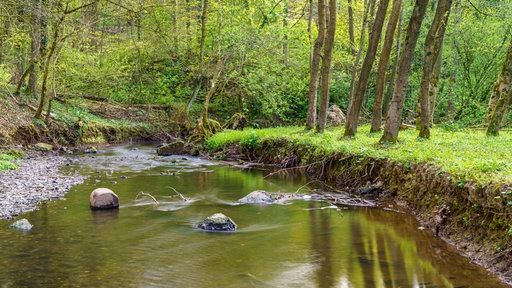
[37, 179]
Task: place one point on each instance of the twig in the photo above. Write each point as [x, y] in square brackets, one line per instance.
[181, 195]
[147, 194]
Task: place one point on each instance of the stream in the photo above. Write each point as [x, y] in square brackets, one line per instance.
[301, 243]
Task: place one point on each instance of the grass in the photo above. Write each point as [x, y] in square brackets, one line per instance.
[466, 154]
[6, 162]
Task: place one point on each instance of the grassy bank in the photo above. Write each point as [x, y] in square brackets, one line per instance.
[466, 154]
[457, 184]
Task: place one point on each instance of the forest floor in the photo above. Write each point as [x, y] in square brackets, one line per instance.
[473, 215]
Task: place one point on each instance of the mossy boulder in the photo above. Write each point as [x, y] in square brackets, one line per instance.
[43, 147]
[218, 222]
[174, 148]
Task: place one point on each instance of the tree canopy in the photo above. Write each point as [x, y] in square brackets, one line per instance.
[257, 55]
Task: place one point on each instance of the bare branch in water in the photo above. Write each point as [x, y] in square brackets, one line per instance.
[179, 194]
[149, 195]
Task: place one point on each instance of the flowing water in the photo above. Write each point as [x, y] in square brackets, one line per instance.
[303, 243]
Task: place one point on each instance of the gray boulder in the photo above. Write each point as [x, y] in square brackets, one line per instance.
[218, 222]
[257, 197]
[174, 148]
[22, 225]
[103, 198]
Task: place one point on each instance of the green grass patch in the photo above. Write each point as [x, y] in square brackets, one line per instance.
[468, 155]
[6, 162]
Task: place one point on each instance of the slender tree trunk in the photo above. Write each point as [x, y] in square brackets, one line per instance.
[433, 50]
[355, 69]
[503, 89]
[315, 64]
[285, 37]
[351, 28]
[384, 66]
[326, 67]
[391, 82]
[199, 80]
[394, 117]
[203, 33]
[46, 70]
[362, 83]
[433, 89]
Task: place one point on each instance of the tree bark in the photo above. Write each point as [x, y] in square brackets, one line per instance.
[433, 50]
[391, 82]
[393, 120]
[384, 66]
[326, 67]
[203, 33]
[362, 83]
[315, 64]
[351, 28]
[355, 69]
[503, 92]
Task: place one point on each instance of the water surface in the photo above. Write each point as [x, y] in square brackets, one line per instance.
[301, 244]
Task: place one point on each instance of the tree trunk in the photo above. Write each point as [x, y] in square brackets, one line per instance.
[355, 69]
[393, 120]
[315, 64]
[433, 50]
[351, 28]
[362, 83]
[384, 66]
[433, 89]
[503, 92]
[391, 82]
[203, 33]
[326, 67]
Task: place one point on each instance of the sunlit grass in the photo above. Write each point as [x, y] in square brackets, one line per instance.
[468, 155]
[6, 162]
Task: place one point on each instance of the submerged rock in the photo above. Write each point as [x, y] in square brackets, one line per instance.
[22, 225]
[257, 197]
[103, 198]
[218, 222]
[174, 148]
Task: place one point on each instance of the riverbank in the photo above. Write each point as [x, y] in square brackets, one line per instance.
[472, 214]
[37, 179]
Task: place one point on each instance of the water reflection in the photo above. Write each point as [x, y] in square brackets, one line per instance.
[304, 244]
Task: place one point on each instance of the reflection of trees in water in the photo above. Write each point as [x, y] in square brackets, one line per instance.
[322, 246]
[365, 250]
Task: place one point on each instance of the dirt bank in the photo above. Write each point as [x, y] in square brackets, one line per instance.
[460, 213]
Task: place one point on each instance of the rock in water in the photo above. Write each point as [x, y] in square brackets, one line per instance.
[257, 197]
[103, 198]
[218, 222]
[22, 225]
[174, 148]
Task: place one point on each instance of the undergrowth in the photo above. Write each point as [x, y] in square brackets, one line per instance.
[466, 154]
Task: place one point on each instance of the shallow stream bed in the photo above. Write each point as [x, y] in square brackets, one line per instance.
[302, 243]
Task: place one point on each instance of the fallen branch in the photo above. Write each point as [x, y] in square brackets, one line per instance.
[149, 195]
[181, 195]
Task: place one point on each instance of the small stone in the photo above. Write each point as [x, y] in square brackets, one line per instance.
[22, 225]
